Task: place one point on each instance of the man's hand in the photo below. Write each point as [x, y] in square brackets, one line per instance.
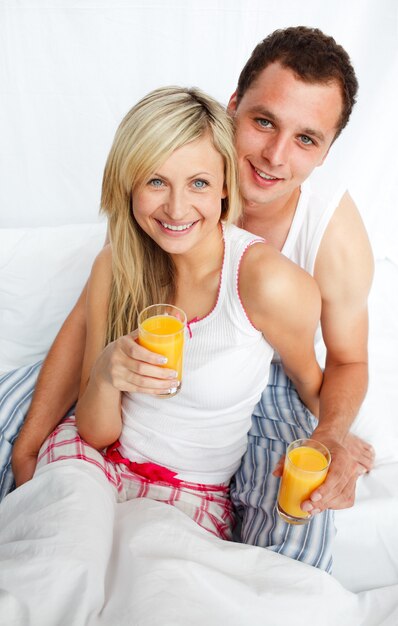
[23, 464]
[338, 490]
[362, 452]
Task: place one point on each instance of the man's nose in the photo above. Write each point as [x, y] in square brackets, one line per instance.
[276, 150]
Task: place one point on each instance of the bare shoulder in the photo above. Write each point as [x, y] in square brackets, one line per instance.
[102, 266]
[103, 259]
[269, 284]
[344, 260]
[100, 280]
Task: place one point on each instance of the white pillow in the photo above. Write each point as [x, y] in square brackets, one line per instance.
[42, 272]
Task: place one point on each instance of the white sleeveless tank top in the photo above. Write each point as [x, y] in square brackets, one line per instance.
[312, 217]
[201, 433]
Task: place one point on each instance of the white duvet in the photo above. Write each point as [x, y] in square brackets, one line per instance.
[70, 556]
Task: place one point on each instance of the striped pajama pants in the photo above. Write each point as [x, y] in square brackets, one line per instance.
[16, 390]
[278, 419]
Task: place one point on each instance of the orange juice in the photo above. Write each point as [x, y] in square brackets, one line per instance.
[164, 334]
[305, 469]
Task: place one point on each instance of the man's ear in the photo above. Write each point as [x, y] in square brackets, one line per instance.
[232, 104]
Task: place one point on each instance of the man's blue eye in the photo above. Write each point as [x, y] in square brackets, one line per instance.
[306, 140]
[263, 122]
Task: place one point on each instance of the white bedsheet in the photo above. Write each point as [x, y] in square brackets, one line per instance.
[70, 556]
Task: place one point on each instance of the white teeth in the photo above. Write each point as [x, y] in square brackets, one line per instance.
[181, 227]
[262, 175]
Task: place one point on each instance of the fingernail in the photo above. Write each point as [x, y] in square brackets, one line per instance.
[316, 497]
[172, 375]
[315, 511]
[307, 507]
[162, 360]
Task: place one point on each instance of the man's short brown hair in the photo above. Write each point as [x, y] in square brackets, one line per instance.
[313, 56]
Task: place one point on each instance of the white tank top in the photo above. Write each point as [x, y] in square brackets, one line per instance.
[312, 216]
[201, 433]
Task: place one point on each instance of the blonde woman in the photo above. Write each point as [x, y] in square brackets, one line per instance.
[170, 193]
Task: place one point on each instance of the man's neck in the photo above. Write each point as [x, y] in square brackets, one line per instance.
[271, 220]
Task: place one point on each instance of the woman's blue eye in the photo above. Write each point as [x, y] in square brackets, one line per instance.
[200, 184]
[156, 182]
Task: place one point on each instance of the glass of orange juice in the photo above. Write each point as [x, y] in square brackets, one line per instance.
[161, 329]
[306, 465]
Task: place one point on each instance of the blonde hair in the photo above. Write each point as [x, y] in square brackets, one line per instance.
[161, 122]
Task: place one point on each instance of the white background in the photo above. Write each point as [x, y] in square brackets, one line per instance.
[70, 70]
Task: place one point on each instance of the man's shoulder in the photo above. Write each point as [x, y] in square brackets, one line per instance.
[345, 255]
[314, 212]
[346, 227]
[323, 199]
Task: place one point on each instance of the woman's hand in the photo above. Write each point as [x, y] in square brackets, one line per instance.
[123, 366]
[129, 367]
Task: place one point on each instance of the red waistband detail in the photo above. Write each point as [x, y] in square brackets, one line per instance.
[151, 471]
[157, 473]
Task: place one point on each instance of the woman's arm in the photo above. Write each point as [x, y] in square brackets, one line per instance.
[122, 365]
[98, 415]
[283, 301]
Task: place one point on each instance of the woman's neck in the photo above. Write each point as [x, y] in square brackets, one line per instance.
[198, 277]
[203, 259]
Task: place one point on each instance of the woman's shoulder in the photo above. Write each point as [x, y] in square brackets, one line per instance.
[103, 260]
[268, 278]
[101, 271]
[263, 264]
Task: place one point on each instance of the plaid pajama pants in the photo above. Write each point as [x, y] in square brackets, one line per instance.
[278, 419]
[208, 505]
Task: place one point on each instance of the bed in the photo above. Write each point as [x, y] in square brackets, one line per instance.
[146, 563]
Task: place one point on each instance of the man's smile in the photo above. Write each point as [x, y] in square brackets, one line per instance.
[265, 179]
[264, 175]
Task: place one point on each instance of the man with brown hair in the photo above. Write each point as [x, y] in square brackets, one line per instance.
[294, 96]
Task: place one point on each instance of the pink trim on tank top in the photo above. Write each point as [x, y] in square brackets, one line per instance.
[237, 279]
[200, 319]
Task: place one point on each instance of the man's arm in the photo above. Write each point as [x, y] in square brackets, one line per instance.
[344, 272]
[56, 390]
